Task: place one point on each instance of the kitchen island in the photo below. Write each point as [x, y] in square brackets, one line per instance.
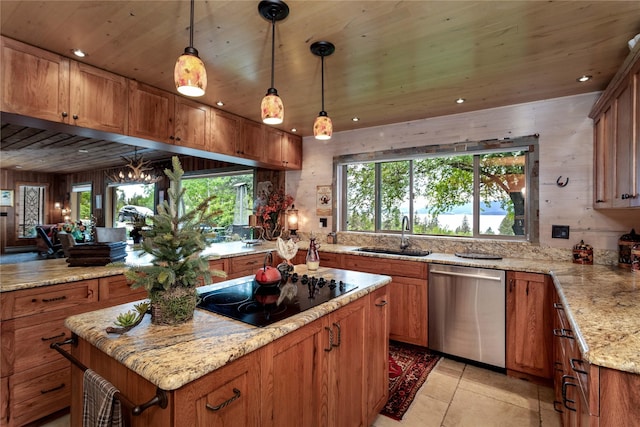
[326, 365]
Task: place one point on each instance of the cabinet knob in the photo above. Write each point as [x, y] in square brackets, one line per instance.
[177, 138]
[599, 201]
[172, 137]
[64, 114]
[75, 117]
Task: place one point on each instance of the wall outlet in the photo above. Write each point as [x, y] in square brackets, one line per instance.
[560, 231]
[323, 222]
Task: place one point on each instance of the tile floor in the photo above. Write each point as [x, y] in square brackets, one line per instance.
[461, 395]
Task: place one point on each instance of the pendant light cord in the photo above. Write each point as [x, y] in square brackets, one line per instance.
[273, 44]
[323, 83]
[191, 26]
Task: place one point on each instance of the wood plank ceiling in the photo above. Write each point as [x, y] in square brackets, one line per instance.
[395, 60]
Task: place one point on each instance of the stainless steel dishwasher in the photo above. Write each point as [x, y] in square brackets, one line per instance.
[467, 313]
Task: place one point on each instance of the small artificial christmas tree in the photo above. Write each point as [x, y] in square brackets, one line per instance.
[175, 241]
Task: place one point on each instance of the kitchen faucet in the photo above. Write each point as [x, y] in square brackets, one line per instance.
[404, 241]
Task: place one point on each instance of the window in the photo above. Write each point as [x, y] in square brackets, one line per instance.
[30, 209]
[233, 202]
[81, 202]
[484, 189]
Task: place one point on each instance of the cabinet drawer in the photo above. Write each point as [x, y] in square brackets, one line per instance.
[31, 343]
[246, 265]
[48, 298]
[40, 391]
[117, 287]
[330, 259]
[389, 267]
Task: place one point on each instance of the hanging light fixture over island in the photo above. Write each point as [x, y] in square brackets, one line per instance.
[272, 108]
[322, 126]
[189, 73]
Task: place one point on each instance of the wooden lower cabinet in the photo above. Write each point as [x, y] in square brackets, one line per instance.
[529, 325]
[36, 380]
[588, 395]
[331, 372]
[408, 294]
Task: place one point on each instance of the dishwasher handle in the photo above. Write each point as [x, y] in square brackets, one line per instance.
[473, 276]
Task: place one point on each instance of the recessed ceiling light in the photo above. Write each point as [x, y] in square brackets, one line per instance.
[219, 103]
[79, 53]
[460, 100]
[82, 150]
[355, 119]
[18, 167]
[583, 78]
[294, 130]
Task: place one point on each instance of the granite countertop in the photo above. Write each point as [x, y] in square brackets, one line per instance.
[602, 303]
[172, 356]
[56, 271]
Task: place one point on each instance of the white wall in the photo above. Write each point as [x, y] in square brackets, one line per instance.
[566, 149]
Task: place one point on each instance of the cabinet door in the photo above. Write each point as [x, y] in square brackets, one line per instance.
[245, 265]
[408, 310]
[252, 140]
[98, 99]
[151, 113]
[624, 136]
[192, 123]
[273, 152]
[377, 352]
[35, 82]
[116, 290]
[634, 201]
[347, 402]
[291, 370]
[225, 133]
[603, 153]
[529, 324]
[292, 151]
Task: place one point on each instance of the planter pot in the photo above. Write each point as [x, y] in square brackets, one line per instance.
[174, 306]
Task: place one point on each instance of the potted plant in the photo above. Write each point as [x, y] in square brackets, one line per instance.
[175, 241]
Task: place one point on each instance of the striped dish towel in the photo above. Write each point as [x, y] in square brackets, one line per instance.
[100, 407]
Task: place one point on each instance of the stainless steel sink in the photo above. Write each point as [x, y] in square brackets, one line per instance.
[404, 252]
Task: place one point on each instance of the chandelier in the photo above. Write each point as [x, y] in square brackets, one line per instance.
[135, 171]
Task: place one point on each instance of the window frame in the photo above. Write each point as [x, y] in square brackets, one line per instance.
[529, 143]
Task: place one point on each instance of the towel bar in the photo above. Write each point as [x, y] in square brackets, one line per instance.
[159, 399]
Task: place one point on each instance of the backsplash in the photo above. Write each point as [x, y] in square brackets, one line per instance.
[507, 249]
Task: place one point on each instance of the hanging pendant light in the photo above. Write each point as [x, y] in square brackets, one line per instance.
[272, 107]
[189, 73]
[322, 126]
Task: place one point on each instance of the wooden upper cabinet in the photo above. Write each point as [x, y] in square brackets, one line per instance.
[292, 151]
[35, 82]
[192, 123]
[98, 99]
[283, 150]
[616, 117]
[252, 140]
[225, 132]
[151, 112]
[273, 147]
[603, 156]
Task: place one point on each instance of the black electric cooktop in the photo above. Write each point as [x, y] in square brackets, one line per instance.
[261, 305]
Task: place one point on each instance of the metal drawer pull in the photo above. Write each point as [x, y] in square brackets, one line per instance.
[63, 297]
[563, 333]
[61, 386]
[558, 306]
[53, 338]
[236, 396]
[572, 362]
[330, 339]
[566, 384]
[382, 303]
[557, 406]
[337, 325]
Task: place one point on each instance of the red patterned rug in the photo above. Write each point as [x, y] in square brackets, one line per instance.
[409, 366]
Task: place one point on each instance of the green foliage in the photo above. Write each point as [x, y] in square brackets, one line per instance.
[175, 242]
[464, 229]
[360, 198]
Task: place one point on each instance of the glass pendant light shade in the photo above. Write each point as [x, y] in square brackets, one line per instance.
[189, 74]
[272, 108]
[322, 126]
